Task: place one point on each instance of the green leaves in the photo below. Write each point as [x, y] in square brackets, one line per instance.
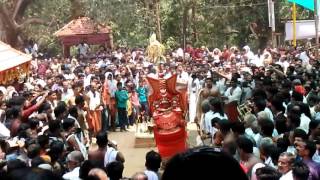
[212, 23]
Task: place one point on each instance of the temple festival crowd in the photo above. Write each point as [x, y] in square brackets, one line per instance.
[50, 119]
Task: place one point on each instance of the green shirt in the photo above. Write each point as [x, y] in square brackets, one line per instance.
[142, 93]
[121, 98]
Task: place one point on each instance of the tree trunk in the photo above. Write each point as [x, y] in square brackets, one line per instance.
[157, 12]
[194, 27]
[147, 14]
[7, 35]
[10, 25]
[8, 28]
[184, 25]
[19, 9]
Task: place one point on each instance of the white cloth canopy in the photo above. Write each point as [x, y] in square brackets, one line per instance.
[10, 57]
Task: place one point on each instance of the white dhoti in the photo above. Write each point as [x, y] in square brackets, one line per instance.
[192, 106]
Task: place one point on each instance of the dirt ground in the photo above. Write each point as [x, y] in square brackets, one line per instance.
[135, 157]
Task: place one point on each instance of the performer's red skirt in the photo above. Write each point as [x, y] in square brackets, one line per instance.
[171, 143]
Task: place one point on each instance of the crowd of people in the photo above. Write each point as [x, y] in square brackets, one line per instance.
[65, 106]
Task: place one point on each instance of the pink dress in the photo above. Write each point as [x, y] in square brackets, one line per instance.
[135, 99]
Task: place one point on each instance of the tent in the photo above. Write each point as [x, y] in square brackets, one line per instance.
[85, 30]
[13, 63]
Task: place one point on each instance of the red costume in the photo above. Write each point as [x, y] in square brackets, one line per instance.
[168, 106]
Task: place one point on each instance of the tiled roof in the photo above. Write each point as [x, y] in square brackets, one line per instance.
[82, 26]
[10, 57]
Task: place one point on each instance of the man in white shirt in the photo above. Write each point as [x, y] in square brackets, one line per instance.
[83, 49]
[260, 107]
[269, 113]
[316, 156]
[304, 122]
[179, 52]
[233, 93]
[153, 163]
[118, 54]
[87, 77]
[249, 120]
[285, 163]
[74, 160]
[258, 61]
[283, 63]
[305, 58]
[207, 127]
[94, 99]
[4, 131]
[221, 85]
[183, 76]
[67, 92]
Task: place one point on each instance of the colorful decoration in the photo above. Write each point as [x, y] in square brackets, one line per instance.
[155, 50]
[21, 71]
[168, 106]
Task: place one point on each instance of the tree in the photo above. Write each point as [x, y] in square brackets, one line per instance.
[12, 22]
[212, 23]
[77, 8]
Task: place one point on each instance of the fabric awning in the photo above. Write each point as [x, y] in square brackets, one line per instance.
[13, 63]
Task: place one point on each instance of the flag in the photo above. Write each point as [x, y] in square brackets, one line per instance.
[308, 4]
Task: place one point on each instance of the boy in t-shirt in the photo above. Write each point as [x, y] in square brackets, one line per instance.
[121, 99]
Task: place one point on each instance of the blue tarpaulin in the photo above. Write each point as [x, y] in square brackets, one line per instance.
[308, 4]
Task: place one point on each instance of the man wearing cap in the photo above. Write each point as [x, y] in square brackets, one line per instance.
[74, 160]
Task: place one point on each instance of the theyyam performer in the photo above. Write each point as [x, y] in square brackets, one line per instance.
[168, 105]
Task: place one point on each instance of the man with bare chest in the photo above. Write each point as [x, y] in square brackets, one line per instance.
[208, 91]
[105, 154]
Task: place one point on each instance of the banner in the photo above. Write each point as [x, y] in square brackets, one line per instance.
[305, 30]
